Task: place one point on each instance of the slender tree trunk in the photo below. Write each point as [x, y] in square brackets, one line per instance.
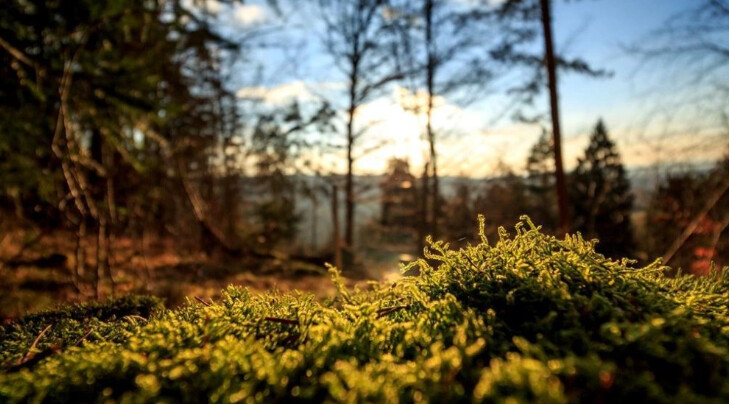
[230, 191]
[314, 221]
[335, 227]
[430, 83]
[143, 246]
[80, 250]
[111, 213]
[562, 203]
[349, 184]
[349, 190]
[423, 200]
[101, 251]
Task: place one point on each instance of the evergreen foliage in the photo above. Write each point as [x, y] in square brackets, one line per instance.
[529, 319]
[600, 196]
[100, 100]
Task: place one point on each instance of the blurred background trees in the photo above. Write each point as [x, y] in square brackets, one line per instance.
[601, 197]
[142, 139]
[105, 100]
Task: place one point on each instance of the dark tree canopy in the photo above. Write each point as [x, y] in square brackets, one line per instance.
[601, 197]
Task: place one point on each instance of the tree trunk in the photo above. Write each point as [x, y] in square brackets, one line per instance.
[349, 184]
[430, 83]
[423, 226]
[564, 219]
[335, 227]
[314, 221]
[349, 190]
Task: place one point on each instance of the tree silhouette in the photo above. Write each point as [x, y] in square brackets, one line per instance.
[524, 22]
[110, 108]
[356, 39]
[440, 45]
[601, 197]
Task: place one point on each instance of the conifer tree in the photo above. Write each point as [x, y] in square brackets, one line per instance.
[601, 197]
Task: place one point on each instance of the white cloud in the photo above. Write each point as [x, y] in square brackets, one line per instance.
[445, 115]
[249, 14]
[281, 94]
[400, 120]
[212, 6]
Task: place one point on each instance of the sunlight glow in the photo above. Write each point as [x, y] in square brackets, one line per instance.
[249, 14]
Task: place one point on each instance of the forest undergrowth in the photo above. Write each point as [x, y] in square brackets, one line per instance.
[529, 318]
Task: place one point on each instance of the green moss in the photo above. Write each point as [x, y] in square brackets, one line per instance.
[529, 319]
[70, 325]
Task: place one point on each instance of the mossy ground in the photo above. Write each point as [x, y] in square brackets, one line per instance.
[529, 319]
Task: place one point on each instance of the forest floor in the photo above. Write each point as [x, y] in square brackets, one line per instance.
[37, 274]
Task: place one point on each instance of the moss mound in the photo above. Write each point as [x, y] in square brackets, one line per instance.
[529, 319]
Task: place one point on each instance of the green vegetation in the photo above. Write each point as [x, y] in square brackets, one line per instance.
[529, 319]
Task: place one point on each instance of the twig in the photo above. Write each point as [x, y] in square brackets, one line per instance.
[83, 337]
[281, 320]
[26, 363]
[35, 343]
[389, 310]
[689, 230]
[203, 302]
[723, 225]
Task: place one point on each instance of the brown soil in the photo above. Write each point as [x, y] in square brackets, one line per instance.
[35, 278]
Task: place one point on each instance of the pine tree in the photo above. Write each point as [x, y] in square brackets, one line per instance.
[601, 197]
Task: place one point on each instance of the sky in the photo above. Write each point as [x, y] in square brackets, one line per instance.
[648, 125]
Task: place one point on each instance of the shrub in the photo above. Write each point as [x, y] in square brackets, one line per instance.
[529, 319]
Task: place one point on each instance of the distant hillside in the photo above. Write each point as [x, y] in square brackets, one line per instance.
[316, 219]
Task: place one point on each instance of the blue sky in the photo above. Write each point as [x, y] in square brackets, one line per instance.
[604, 28]
[647, 118]
[636, 102]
